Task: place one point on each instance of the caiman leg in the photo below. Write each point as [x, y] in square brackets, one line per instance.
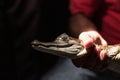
[70, 47]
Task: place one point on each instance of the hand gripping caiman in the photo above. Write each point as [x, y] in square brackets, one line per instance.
[66, 46]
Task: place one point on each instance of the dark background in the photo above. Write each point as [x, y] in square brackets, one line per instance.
[22, 21]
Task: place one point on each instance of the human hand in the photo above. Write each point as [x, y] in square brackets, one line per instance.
[91, 38]
[96, 57]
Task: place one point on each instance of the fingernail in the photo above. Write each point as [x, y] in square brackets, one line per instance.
[102, 55]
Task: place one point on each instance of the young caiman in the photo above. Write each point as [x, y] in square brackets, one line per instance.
[66, 46]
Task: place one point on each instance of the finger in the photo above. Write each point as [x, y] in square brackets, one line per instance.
[103, 54]
[100, 42]
[103, 42]
[87, 41]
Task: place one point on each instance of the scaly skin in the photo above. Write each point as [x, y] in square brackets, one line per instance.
[70, 47]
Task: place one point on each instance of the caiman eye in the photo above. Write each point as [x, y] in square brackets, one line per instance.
[62, 38]
[65, 38]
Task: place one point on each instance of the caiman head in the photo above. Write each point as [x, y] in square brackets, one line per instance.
[63, 45]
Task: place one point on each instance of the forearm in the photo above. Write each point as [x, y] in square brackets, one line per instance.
[80, 23]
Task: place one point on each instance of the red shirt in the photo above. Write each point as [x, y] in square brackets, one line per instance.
[109, 14]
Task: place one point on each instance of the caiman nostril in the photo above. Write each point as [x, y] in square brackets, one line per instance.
[35, 42]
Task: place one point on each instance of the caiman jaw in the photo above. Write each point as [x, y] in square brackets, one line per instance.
[61, 49]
